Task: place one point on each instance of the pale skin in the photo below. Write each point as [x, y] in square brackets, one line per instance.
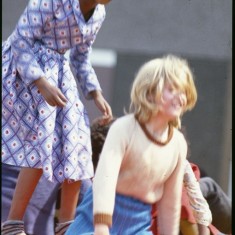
[29, 177]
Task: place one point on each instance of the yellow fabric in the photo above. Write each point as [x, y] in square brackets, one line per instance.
[187, 228]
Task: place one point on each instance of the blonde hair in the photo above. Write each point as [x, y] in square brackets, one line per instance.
[150, 81]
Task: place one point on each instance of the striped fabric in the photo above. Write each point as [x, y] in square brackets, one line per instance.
[62, 227]
[13, 227]
[131, 217]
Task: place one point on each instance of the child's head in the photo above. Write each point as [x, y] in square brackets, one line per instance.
[99, 132]
[149, 83]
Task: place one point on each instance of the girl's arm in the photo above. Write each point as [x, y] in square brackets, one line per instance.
[169, 207]
[198, 203]
[105, 180]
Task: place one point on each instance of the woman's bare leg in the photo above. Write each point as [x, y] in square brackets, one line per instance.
[27, 181]
[69, 200]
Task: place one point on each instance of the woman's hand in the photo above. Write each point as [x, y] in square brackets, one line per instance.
[101, 229]
[102, 105]
[51, 94]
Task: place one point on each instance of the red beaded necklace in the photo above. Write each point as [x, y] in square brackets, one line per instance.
[149, 135]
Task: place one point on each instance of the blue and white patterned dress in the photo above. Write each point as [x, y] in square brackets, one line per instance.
[35, 134]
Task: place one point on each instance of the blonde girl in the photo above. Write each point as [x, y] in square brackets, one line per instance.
[142, 161]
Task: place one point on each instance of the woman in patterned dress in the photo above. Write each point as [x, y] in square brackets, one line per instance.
[45, 127]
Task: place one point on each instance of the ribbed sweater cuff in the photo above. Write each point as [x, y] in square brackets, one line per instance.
[102, 218]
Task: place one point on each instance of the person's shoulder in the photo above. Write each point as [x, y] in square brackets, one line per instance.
[179, 136]
[126, 121]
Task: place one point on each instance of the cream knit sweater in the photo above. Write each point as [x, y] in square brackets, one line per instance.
[133, 165]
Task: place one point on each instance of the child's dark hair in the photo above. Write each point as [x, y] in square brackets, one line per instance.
[98, 136]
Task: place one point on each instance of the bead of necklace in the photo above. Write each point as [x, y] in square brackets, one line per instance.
[151, 137]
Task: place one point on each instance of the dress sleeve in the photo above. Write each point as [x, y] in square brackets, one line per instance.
[198, 203]
[82, 68]
[29, 29]
[105, 180]
[170, 204]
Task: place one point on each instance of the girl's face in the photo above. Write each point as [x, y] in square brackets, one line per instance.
[173, 101]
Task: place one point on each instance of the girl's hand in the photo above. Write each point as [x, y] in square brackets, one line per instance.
[102, 105]
[51, 94]
[101, 229]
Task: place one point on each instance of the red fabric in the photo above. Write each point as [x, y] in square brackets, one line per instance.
[196, 170]
[154, 226]
[186, 211]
